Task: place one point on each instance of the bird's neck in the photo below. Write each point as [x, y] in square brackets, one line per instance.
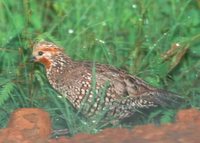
[60, 63]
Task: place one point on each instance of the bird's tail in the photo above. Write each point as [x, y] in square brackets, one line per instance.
[165, 98]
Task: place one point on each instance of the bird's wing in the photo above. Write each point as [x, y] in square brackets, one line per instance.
[129, 86]
[124, 85]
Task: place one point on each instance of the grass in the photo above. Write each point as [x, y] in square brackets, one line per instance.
[155, 40]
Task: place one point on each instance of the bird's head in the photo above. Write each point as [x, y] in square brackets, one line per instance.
[44, 53]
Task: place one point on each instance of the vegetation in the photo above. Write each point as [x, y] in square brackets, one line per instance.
[155, 40]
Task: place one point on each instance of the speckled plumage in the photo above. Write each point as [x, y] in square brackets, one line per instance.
[100, 87]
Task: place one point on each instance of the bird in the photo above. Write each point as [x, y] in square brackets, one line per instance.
[94, 88]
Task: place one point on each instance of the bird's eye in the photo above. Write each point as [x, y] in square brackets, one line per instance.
[40, 53]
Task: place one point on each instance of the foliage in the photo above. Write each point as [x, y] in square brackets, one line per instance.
[155, 40]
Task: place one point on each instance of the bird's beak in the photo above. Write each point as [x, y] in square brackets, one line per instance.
[32, 59]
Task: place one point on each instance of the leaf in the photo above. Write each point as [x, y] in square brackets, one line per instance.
[6, 91]
[167, 116]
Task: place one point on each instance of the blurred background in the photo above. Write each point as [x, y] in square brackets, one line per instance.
[158, 41]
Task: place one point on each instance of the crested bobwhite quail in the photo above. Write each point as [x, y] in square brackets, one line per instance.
[100, 87]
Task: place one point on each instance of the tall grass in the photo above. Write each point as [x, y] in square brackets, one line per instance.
[155, 40]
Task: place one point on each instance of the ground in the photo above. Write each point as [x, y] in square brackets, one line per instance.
[32, 125]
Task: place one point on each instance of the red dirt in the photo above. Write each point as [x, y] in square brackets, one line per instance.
[33, 126]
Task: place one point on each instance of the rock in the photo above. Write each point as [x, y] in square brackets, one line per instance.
[189, 116]
[27, 125]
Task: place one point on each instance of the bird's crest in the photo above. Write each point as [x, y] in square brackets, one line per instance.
[47, 46]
